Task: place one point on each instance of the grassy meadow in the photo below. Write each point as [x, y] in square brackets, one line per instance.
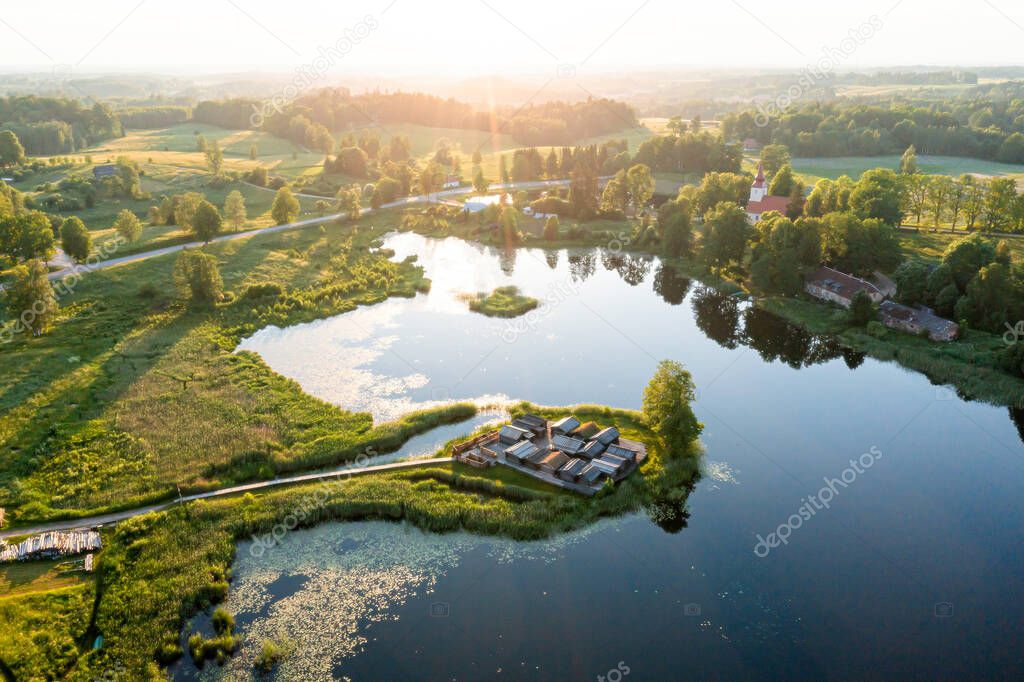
[157, 570]
[134, 392]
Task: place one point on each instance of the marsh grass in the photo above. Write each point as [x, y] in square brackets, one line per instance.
[502, 302]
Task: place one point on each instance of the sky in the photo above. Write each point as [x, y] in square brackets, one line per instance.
[468, 37]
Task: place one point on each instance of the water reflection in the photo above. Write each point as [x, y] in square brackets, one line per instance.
[717, 315]
[670, 284]
[1017, 417]
[775, 339]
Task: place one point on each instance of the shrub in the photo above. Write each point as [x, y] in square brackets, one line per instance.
[876, 329]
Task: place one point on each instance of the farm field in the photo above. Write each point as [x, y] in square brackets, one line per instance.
[815, 169]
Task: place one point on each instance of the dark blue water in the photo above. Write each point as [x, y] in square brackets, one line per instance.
[914, 571]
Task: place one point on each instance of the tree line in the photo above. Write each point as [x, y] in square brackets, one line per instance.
[55, 125]
[976, 129]
[331, 109]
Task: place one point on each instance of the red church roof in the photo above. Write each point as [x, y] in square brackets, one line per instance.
[760, 181]
[768, 204]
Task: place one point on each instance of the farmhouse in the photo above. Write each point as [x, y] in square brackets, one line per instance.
[838, 287]
[760, 202]
[579, 457]
[917, 320]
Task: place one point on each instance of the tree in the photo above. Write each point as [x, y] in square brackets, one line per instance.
[429, 179]
[185, 206]
[675, 222]
[11, 151]
[503, 169]
[782, 183]
[914, 188]
[29, 297]
[128, 225]
[477, 157]
[207, 221]
[783, 251]
[774, 157]
[908, 164]
[795, 207]
[877, 195]
[75, 239]
[718, 187]
[940, 188]
[234, 209]
[991, 299]
[551, 228]
[974, 200]
[196, 273]
[862, 310]
[480, 183]
[666, 406]
[285, 207]
[726, 232]
[911, 279]
[640, 183]
[1002, 192]
[966, 256]
[215, 158]
[27, 236]
[252, 152]
[958, 190]
[349, 202]
[615, 196]
[200, 143]
[509, 225]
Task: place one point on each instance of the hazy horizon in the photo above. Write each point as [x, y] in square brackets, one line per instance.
[500, 38]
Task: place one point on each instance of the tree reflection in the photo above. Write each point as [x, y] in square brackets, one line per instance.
[507, 261]
[717, 315]
[668, 510]
[634, 269]
[853, 358]
[581, 266]
[552, 258]
[1017, 417]
[612, 261]
[775, 339]
[670, 285]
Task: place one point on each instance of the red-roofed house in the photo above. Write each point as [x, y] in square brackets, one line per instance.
[760, 202]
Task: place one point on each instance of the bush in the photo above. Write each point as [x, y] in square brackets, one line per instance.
[266, 290]
[876, 329]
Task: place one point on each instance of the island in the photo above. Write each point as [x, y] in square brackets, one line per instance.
[502, 302]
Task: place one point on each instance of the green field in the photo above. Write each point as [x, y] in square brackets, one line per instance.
[815, 169]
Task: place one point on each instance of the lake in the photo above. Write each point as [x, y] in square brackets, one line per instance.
[913, 570]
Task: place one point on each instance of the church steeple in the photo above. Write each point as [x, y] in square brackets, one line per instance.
[759, 190]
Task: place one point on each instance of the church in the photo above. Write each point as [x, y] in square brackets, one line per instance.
[760, 202]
